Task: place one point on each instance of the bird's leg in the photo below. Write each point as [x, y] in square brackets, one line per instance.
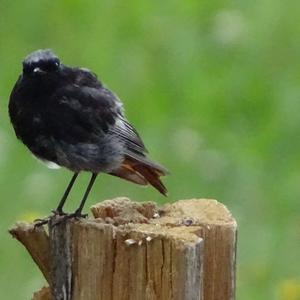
[59, 209]
[78, 211]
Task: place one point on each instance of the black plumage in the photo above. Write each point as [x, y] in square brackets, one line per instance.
[66, 116]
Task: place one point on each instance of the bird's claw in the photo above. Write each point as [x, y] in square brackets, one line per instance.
[64, 217]
[40, 222]
[60, 217]
[43, 221]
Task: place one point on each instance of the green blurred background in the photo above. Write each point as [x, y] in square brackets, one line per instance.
[214, 89]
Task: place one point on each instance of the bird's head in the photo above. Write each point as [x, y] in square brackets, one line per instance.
[40, 62]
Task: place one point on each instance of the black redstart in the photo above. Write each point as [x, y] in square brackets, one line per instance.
[67, 117]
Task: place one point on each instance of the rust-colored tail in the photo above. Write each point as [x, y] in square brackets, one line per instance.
[152, 176]
[142, 171]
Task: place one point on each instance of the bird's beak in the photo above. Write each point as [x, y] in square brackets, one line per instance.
[38, 70]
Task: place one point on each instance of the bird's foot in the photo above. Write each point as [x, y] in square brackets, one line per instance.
[41, 222]
[46, 220]
[60, 217]
[65, 216]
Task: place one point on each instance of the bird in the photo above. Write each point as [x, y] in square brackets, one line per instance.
[68, 118]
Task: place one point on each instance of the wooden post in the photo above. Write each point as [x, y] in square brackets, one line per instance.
[135, 251]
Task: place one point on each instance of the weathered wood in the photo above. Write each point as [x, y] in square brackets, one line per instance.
[219, 231]
[184, 250]
[60, 237]
[36, 241]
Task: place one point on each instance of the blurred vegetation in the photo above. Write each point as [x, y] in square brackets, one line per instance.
[214, 89]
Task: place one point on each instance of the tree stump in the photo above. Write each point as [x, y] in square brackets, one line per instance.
[134, 251]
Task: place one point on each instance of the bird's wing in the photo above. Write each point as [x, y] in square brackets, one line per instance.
[129, 135]
[94, 110]
[81, 113]
[121, 127]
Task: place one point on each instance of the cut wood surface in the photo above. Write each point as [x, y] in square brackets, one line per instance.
[129, 250]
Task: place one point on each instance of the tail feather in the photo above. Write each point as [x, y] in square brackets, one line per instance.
[135, 158]
[129, 175]
[142, 171]
[152, 177]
